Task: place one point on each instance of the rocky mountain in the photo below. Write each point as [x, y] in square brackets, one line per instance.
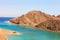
[39, 20]
[31, 18]
[58, 16]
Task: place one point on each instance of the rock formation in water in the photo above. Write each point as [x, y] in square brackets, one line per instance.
[32, 18]
[52, 25]
[38, 19]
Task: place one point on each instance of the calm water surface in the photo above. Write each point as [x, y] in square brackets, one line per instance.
[29, 33]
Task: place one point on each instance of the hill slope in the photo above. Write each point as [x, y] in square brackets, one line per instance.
[38, 19]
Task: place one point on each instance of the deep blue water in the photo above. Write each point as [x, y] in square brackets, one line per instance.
[29, 33]
[5, 18]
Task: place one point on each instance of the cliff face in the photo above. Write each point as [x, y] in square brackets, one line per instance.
[38, 19]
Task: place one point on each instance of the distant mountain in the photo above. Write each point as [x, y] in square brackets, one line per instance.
[39, 20]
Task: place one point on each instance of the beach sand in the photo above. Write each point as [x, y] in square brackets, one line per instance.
[4, 32]
[8, 32]
[3, 37]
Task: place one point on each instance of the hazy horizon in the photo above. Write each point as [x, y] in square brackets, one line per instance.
[13, 8]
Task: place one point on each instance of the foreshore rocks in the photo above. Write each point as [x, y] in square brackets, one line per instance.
[39, 20]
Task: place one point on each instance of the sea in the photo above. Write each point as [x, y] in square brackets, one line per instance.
[27, 32]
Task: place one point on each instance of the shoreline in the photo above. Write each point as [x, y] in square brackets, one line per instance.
[9, 22]
[48, 30]
[37, 28]
[8, 32]
[4, 32]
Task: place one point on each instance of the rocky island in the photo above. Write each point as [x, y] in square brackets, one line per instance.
[39, 20]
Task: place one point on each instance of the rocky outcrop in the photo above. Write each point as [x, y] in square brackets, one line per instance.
[32, 18]
[58, 16]
[52, 25]
[39, 20]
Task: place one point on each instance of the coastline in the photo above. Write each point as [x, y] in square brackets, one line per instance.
[8, 32]
[11, 23]
[48, 30]
[4, 32]
[36, 27]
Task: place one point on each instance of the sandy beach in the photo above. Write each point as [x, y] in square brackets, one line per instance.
[3, 37]
[7, 32]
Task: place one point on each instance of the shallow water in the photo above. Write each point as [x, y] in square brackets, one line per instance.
[29, 33]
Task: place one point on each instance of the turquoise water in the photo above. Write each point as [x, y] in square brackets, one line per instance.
[29, 33]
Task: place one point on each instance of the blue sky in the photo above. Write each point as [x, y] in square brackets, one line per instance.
[13, 8]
